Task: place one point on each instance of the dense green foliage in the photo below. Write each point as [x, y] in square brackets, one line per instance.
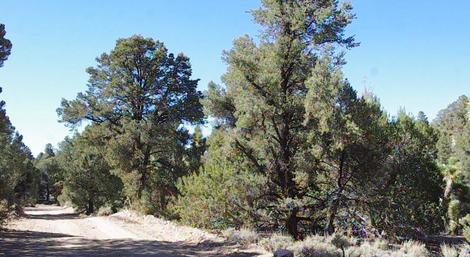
[138, 97]
[18, 177]
[329, 158]
[223, 193]
[87, 180]
[453, 124]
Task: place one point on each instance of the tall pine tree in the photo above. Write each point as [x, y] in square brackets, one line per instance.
[141, 96]
[264, 103]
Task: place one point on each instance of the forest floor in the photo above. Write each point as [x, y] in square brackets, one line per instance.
[47, 230]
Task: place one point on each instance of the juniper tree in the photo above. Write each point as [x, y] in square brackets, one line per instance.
[87, 179]
[196, 150]
[265, 97]
[47, 166]
[140, 95]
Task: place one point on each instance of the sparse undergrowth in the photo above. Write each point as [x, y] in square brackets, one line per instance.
[341, 246]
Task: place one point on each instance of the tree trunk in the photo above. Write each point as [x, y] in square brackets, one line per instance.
[48, 192]
[91, 207]
[330, 227]
[332, 211]
[292, 224]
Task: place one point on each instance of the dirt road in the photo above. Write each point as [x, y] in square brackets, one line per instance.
[57, 231]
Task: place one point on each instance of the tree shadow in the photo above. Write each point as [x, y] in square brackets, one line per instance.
[31, 243]
[64, 216]
[44, 208]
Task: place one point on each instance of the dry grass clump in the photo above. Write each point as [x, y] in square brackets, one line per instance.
[340, 246]
[380, 248]
[105, 210]
[414, 249]
[462, 250]
[276, 242]
[242, 236]
[449, 251]
[315, 246]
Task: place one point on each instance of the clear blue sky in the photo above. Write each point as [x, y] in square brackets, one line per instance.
[413, 54]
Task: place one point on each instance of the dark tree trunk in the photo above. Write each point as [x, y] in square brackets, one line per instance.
[91, 207]
[333, 210]
[330, 227]
[48, 192]
[292, 224]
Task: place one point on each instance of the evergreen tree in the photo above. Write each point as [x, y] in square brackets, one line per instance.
[50, 173]
[196, 150]
[265, 98]
[140, 96]
[223, 193]
[87, 179]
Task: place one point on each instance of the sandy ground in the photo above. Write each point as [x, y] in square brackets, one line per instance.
[47, 230]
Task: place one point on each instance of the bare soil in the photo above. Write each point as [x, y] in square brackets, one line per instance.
[47, 230]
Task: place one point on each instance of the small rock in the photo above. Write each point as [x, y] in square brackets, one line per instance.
[283, 253]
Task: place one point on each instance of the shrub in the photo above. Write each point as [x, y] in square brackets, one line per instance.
[464, 250]
[242, 236]
[380, 248]
[453, 214]
[465, 222]
[340, 242]
[315, 246]
[217, 197]
[414, 249]
[105, 210]
[276, 242]
[466, 233]
[449, 251]
[367, 249]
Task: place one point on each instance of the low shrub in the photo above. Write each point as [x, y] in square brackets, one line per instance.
[449, 251]
[315, 246]
[242, 236]
[380, 248]
[465, 222]
[464, 250]
[414, 249]
[276, 242]
[105, 210]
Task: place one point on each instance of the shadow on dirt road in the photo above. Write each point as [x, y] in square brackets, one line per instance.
[31, 243]
[38, 234]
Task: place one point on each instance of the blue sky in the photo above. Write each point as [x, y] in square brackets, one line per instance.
[413, 54]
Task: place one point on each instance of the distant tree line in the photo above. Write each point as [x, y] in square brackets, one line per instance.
[293, 147]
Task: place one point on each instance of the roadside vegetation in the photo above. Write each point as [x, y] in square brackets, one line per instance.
[294, 150]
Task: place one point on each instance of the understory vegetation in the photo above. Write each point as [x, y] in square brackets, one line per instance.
[294, 151]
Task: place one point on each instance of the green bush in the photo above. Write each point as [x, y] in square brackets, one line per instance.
[465, 222]
[217, 198]
[105, 210]
[453, 214]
